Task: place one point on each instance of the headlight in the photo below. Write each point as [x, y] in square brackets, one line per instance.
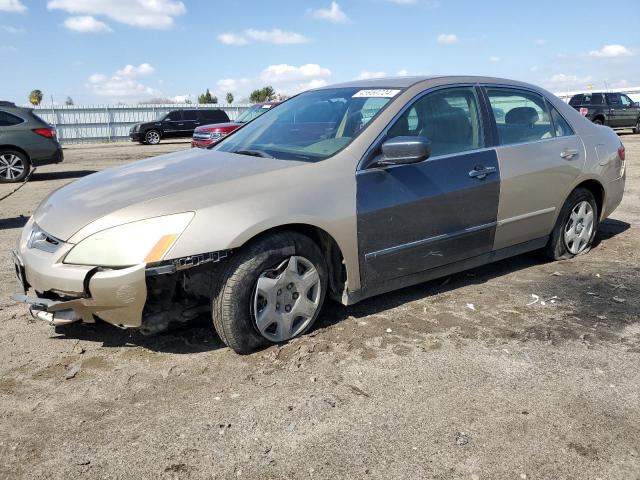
[130, 244]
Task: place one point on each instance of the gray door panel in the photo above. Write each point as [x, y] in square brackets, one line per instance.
[535, 179]
[416, 217]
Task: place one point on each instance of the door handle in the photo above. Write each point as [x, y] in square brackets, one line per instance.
[481, 172]
[569, 154]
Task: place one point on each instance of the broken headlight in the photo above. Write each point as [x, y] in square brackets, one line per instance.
[145, 241]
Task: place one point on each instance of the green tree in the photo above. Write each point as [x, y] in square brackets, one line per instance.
[68, 102]
[35, 97]
[264, 94]
[230, 98]
[207, 98]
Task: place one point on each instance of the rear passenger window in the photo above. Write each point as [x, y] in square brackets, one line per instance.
[190, 115]
[562, 128]
[597, 99]
[449, 119]
[520, 116]
[8, 120]
[576, 100]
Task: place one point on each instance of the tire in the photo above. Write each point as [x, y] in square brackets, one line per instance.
[559, 246]
[598, 121]
[239, 307]
[637, 127]
[152, 137]
[14, 166]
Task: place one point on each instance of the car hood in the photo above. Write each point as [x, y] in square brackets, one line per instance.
[219, 126]
[192, 172]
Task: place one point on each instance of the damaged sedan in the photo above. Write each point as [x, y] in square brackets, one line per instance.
[342, 192]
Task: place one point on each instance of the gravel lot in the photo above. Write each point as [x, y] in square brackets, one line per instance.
[412, 384]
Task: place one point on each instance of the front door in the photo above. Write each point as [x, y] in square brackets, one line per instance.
[616, 110]
[172, 124]
[412, 218]
[630, 111]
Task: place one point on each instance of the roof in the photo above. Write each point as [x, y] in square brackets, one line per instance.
[405, 82]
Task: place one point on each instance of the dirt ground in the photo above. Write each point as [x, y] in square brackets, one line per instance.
[459, 378]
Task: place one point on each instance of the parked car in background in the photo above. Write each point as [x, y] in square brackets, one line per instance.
[345, 191]
[175, 124]
[615, 110]
[207, 135]
[26, 141]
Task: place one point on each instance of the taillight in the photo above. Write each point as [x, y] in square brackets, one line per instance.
[584, 111]
[621, 152]
[45, 132]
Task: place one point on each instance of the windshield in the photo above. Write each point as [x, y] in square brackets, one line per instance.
[310, 127]
[253, 112]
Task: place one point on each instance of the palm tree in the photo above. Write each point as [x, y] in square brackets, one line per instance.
[230, 98]
[35, 97]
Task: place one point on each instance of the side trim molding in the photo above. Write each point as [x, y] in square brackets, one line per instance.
[427, 241]
[526, 215]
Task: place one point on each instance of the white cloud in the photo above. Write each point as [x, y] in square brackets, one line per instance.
[402, 73]
[140, 71]
[275, 36]
[153, 14]
[123, 83]
[86, 24]
[232, 39]
[183, 98]
[404, 2]
[14, 6]
[366, 75]
[285, 79]
[332, 14]
[447, 39]
[611, 51]
[494, 59]
[563, 80]
[12, 30]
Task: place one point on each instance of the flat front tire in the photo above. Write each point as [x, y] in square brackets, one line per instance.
[14, 166]
[575, 227]
[269, 292]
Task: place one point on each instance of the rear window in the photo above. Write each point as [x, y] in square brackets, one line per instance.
[8, 120]
[217, 116]
[576, 100]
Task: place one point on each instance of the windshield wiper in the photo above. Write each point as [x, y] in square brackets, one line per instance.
[254, 153]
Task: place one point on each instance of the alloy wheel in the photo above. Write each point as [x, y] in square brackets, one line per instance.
[286, 299]
[11, 166]
[579, 227]
[153, 137]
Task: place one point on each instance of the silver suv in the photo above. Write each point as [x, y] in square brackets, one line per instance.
[346, 191]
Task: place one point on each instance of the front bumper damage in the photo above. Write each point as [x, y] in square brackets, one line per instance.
[140, 296]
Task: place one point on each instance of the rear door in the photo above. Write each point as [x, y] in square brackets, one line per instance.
[190, 122]
[630, 111]
[540, 157]
[412, 218]
[616, 110]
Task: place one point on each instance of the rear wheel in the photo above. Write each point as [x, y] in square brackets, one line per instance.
[269, 292]
[14, 166]
[637, 127]
[575, 228]
[152, 137]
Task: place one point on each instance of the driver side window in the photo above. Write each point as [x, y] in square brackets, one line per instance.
[173, 117]
[449, 119]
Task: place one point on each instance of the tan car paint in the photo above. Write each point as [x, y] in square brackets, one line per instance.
[253, 195]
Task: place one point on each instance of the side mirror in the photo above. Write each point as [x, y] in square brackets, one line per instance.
[405, 150]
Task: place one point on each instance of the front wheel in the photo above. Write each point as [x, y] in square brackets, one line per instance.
[598, 121]
[269, 292]
[14, 166]
[152, 137]
[575, 228]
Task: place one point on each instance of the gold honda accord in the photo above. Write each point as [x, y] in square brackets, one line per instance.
[346, 191]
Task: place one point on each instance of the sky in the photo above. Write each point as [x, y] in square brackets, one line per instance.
[107, 51]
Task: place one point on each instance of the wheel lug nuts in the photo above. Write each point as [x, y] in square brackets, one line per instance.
[279, 292]
[290, 286]
[287, 308]
[295, 296]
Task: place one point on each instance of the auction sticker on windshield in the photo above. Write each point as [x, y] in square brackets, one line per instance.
[377, 93]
